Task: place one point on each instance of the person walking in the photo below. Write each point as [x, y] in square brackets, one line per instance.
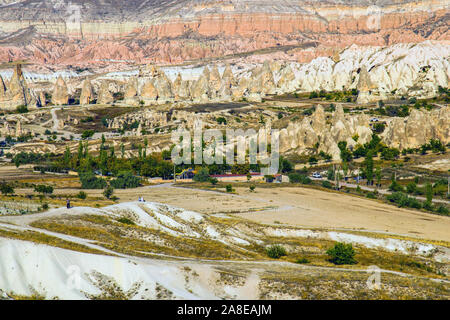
[68, 204]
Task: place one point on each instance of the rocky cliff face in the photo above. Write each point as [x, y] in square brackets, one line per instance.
[140, 31]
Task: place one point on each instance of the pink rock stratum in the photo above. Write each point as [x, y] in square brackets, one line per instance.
[94, 33]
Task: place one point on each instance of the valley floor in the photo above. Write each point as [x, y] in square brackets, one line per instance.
[189, 243]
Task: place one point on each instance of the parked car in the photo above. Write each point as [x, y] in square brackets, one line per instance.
[317, 175]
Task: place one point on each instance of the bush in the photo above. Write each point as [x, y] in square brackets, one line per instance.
[82, 195]
[126, 180]
[371, 195]
[411, 187]
[126, 221]
[402, 200]
[108, 192]
[202, 175]
[276, 251]
[395, 187]
[327, 184]
[22, 109]
[342, 253]
[443, 210]
[87, 134]
[299, 178]
[213, 181]
[302, 261]
[221, 120]
[6, 188]
[252, 187]
[427, 205]
[90, 181]
[229, 188]
[43, 189]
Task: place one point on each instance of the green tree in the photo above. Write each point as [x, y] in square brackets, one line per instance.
[378, 175]
[429, 193]
[108, 192]
[43, 189]
[213, 181]
[202, 175]
[122, 150]
[285, 165]
[368, 162]
[87, 134]
[82, 195]
[411, 187]
[6, 188]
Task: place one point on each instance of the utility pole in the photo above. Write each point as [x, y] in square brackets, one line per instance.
[174, 174]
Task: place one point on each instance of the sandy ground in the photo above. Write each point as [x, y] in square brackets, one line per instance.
[296, 206]
[315, 208]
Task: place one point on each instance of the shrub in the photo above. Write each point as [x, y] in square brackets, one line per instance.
[276, 251]
[126, 221]
[402, 200]
[108, 192]
[126, 180]
[396, 187]
[43, 189]
[312, 160]
[429, 192]
[443, 210]
[22, 109]
[229, 188]
[90, 181]
[252, 187]
[411, 187]
[221, 120]
[427, 205]
[327, 184]
[213, 181]
[299, 178]
[87, 134]
[202, 175]
[371, 195]
[302, 261]
[82, 195]
[45, 206]
[342, 253]
[6, 188]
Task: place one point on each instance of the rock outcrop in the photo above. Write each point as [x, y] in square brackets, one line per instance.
[418, 129]
[16, 92]
[87, 93]
[60, 94]
[104, 96]
[317, 133]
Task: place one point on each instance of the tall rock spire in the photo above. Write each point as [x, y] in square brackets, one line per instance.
[60, 92]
